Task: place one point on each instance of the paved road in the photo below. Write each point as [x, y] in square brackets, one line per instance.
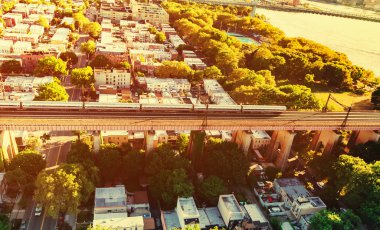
[56, 152]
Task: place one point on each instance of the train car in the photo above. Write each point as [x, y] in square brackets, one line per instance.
[223, 108]
[52, 105]
[263, 108]
[100, 106]
[9, 105]
[167, 107]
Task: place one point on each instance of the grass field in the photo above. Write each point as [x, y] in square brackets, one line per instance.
[358, 102]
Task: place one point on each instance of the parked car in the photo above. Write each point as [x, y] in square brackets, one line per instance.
[38, 210]
[23, 225]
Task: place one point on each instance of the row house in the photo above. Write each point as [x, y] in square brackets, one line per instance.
[150, 54]
[151, 13]
[12, 19]
[121, 78]
[33, 38]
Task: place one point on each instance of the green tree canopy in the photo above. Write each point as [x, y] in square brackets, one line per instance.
[211, 189]
[70, 57]
[169, 185]
[42, 20]
[88, 47]
[51, 66]
[29, 161]
[326, 219]
[52, 92]
[225, 160]
[173, 69]
[133, 164]
[369, 151]
[109, 162]
[375, 98]
[93, 29]
[11, 66]
[80, 20]
[160, 37]
[101, 61]
[4, 222]
[63, 189]
[82, 77]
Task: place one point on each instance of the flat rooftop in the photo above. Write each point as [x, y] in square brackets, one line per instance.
[110, 197]
[231, 203]
[118, 220]
[254, 212]
[188, 207]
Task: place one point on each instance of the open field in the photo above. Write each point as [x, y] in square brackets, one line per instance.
[358, 102]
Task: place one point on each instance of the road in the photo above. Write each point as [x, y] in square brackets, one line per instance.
[66, 119]
[56, 151]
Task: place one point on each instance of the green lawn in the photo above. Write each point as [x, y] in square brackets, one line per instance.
[358, 102]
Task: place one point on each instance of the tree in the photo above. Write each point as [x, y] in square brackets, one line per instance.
[212, 72]
[173, 69]
[124, 65]
[29, 161]
[52, 92]
[80, 20]
[93, 29]
[160, 37]
[183, 142]
[4, 222]
[109, 160]
[101, 61]
[375, 98]
[51, 66]
[369, 151]
[133, 164]
[273, 173]
[70, 57]
[326, 219]
[63, 189]
[42, 20]
[82, 77]
[33, 144]
[225, 160]
[169, 185]
[11, 66]
[88, 47]
[211, 189]
[45, 137]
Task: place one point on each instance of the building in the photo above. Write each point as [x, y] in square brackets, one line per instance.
[12, 19]
[260, 139]
[21, 47]
[138, 204]
[297, 198]
[118, 221]
[121, 78]
[256, 216]
[110, 210]
[230, 210]
[114, 137]
[25, 84]
[30, 59]
[216, 92]
[164, 84]
[195, 63]
[187, 212]
[151, 13]
[115, 11]
[33, 38]
[176, 40]
[37, 29]
[6, 46]
[150, 54]
[110, 200]
[19, 28]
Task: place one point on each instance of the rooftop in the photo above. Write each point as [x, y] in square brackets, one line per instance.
[254, 212]
[188, 207]
[231, 203]
[261, 134]
[108, 197]
[118, 220]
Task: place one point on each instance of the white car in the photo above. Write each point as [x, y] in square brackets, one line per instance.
[38, 210]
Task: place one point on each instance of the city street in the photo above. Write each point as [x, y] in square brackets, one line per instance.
[56, 151]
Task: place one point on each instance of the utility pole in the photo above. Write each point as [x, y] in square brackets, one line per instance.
[324, 109]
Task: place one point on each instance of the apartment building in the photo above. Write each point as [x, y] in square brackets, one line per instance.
[37, 29]
[12, 19]
[151, 13]
[121, 78]
[114, 10]
[216, 92]
[21, 47]
[6, 46]
[176, 40]
[33, 38]
[260, 139]
[110, 210]
[230, 210]
[195, 63]
[164, 84]
[19, 28]
[114, 137]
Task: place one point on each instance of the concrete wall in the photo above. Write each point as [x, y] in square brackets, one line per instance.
[243, 140]
[150, 142]
[279, 148]
[325, 139]
[363, 136]
[8, 145]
